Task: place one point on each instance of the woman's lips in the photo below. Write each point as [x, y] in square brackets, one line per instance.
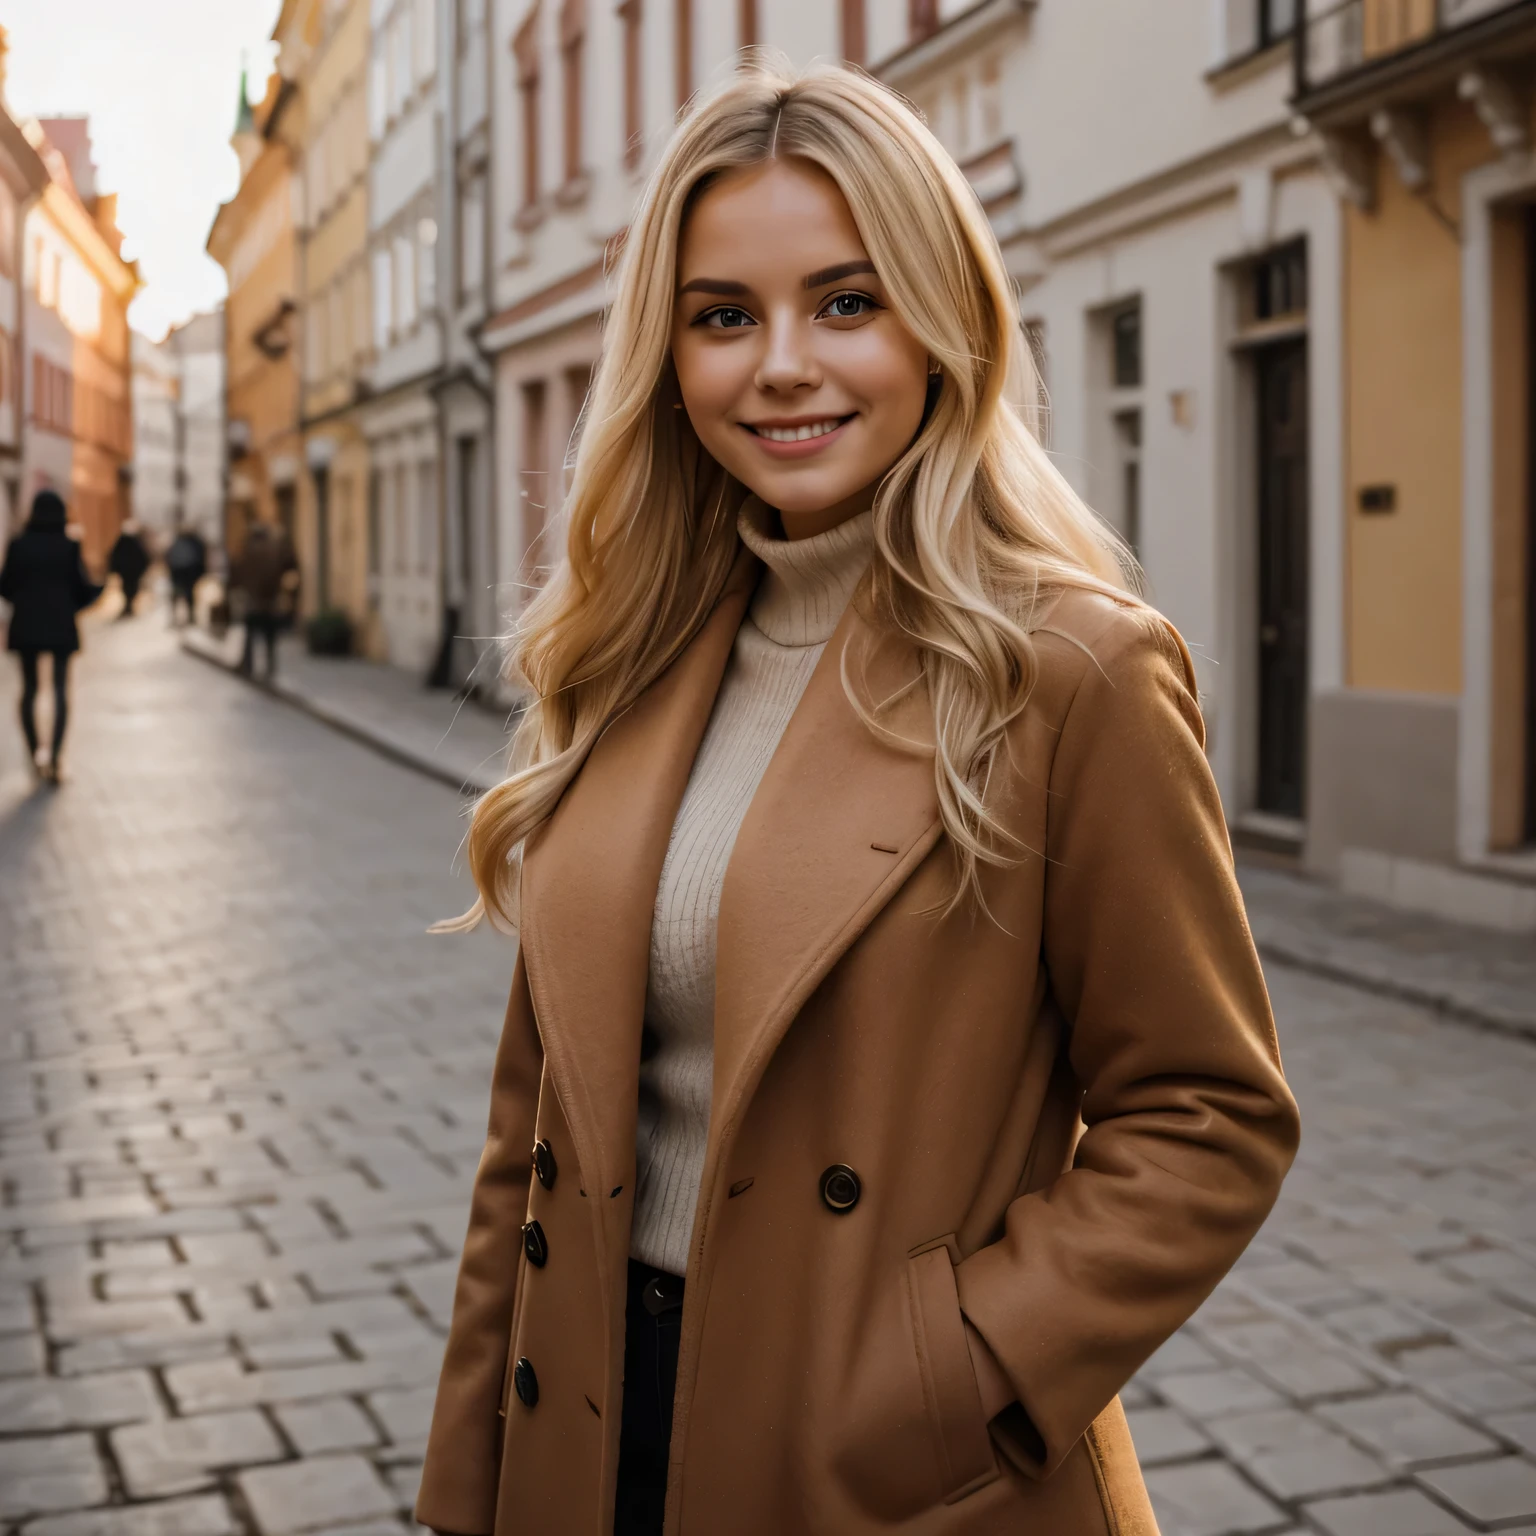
[797, 440]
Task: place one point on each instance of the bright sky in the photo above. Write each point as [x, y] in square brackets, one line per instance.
[159, 80]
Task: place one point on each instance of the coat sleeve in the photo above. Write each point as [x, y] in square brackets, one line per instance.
[8, 574]
[458, 1480]
[1189, 1127]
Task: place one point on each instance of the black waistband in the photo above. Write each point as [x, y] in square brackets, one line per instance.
[659, 1291]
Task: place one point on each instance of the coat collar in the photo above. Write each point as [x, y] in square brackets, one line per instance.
[839, 820]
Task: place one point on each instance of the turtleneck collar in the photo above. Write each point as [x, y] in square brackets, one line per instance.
[806, 583]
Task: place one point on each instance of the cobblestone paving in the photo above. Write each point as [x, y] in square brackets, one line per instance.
[242, 1095]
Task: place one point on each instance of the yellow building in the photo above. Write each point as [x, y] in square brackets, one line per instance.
[335, 314]
[1422, 767]
[253, 240]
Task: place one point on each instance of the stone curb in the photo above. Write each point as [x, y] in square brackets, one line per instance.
[366, 732]
[1444, 1003]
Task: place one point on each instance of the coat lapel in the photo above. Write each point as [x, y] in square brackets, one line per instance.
[588, 889]
[839, 822]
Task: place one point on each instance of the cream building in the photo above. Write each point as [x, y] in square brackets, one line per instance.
[329, 60]
[76, 369]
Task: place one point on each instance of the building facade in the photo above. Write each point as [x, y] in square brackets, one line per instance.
[178, 429]
[253, 239]
[155, 411]
[76, 364]
[1423, 751]
[197, 346]
[401, 418]
[22, 180]
[335, 517]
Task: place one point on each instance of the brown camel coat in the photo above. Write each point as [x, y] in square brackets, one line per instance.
[1067, 1120]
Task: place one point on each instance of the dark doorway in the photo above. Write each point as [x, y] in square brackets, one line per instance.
[1282, 443]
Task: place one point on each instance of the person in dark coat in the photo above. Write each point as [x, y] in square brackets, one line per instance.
[266, 573]
[45, 581]
[128, 562]
[187, 562]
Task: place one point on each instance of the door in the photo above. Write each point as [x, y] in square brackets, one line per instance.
[1282, 573]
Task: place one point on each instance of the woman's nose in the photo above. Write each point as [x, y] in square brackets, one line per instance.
[789, 360]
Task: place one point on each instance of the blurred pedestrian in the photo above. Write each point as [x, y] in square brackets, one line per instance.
[267, 573]
[187, 562]
[45, 581]
[128, 562]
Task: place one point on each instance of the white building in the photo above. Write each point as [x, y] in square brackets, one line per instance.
[1178, 250]
[405, 104]
[155, 412]
[178, 429]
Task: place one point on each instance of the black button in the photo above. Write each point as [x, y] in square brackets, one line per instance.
[535, 1245]
[840, 1188]
[544, 1164]
[524, 1382]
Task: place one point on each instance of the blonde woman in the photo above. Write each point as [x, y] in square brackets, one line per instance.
[888, 1070]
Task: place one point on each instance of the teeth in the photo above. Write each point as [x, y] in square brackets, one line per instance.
[798, 434]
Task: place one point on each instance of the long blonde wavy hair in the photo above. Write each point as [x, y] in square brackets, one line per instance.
[973, 523]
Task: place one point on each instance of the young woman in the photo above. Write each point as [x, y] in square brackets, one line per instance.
[888, 1070]
[45, 581]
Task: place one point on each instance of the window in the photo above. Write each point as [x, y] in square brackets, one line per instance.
[573, 37]
[1125, 330]
[630, 16]
[7, 233]
[525, 51]
[534, 470]
[1034, 335]
[1249, 25]
[405, 283]
[472, 237]
[426, 40]
[400, 63]
[426, 247]
[336, 328]
[855, 36]
[682, 38]
[922, 19]
[402, 550]
[426, 515]
[383, 284]
[378, 95]
[471, 18]
[1280, 283]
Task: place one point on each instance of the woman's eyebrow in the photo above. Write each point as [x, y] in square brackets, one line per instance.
[714, 285]
[838, 273]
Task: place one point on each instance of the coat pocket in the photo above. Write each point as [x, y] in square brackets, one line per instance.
[950, 1395]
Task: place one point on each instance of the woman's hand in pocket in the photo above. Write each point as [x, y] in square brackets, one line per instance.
[992, 1381]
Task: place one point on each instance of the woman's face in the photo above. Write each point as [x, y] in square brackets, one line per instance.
[797, 377]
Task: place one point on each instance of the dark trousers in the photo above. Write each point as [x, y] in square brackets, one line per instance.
[29, 698]
[183, 592]
[650, 1378]
[130, 595]
[265, 625]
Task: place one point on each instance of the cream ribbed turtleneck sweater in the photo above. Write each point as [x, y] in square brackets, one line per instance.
[805, 587]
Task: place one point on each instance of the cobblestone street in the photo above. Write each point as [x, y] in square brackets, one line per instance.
[244, 1094]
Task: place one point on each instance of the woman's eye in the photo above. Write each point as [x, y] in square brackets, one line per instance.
[850, 306]
[727, 319]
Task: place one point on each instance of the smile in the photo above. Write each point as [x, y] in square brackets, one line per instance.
[800, 434]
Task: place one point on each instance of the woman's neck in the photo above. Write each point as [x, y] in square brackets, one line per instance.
[806, 525]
